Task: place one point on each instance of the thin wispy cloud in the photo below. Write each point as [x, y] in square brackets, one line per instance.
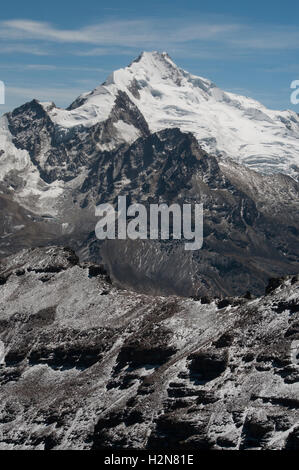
[277, 38]
[229, 50]
[45, 94]
[101, 51]
[111, 33]
[61, 67]
[50, 68]
[23, 49]
[151, 33]
[17, 95]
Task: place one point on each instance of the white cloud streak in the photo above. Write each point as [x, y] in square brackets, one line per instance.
[149, 33]
[23, 49]
[66, 95]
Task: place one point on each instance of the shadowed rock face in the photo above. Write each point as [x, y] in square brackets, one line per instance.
[251, 222]
[242, 245]
[59, 154]
[84, 365]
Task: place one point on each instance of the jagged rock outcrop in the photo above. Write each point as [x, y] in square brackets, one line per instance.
[84, 365]
[61, 154]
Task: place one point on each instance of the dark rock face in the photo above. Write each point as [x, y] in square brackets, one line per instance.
[62, 154]
[273, 284]
[207, 365]
[242, 247]
[242, 209]
[83, 370]
[293, 440]
[151, 350]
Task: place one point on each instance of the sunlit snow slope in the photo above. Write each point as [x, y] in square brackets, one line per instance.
[224, 123]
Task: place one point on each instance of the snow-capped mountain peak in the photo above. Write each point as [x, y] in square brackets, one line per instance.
[152, 68]
[153, 93]
[167, 96]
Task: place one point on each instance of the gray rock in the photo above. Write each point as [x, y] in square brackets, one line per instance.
[83, 370]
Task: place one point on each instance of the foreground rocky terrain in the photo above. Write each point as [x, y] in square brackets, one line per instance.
[85, 365]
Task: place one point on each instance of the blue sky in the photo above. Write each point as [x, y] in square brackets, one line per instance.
[54, 51]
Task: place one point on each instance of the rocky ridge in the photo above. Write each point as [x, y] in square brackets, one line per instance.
[84, 365]
[242, 212]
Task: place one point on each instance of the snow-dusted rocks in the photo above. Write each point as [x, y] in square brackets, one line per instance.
[48, 260]
[84, 365]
